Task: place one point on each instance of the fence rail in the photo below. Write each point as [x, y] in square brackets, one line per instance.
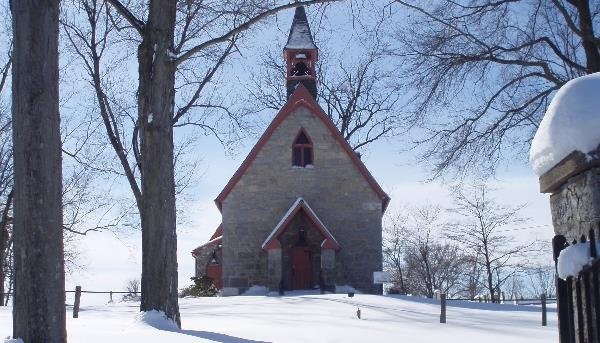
[443, 300]
[78, 291]
[502, 301]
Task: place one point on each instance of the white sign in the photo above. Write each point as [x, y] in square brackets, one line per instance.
[381, 277]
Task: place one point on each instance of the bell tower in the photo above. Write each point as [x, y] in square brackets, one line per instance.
[301, 55]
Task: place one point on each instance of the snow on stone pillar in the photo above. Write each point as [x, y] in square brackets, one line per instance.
[274, 262]
[565, 155]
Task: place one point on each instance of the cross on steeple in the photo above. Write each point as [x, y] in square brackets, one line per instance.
[301, 55]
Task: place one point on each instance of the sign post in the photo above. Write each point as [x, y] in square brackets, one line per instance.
[381, 277]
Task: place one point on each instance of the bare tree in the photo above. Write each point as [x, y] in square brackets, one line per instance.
[6, 185]
[395, 234]
[133, 288]
[416, 252]
[357, 96]
[471, 283]
[6, 163]
[542, 279]
[85, 209]
[39, 300]
[434, 266]
[479, 74]
[173, 38]
[516, 287]
[478, 229]
[431, 264]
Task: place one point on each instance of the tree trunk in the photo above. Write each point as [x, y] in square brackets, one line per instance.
[490, 280]
[4, 241]
[39, 300]
[592, 53]
[156, 98]
[3, 261]
[402, 286]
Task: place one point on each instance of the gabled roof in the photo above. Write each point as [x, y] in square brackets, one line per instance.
[216, 238]
[300, 205]
[213, 241]
[302, 97]
[218, 232]
[300, 36]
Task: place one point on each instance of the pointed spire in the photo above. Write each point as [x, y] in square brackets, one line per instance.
[300, 36]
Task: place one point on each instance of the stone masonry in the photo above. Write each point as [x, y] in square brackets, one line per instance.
[574, 185]
[335, 190]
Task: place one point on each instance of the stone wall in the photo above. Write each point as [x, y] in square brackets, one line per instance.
[334, 189]
[576, 205]
[203, 254]
[574, 185]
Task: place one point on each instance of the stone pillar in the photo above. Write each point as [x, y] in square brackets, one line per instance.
[327, 268]
[274, 268]
[574, 187]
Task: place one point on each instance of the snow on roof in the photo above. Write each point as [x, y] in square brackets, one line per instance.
[571, 123]
[212, 241]
[299, 203]
[300, 36]
[283, 219]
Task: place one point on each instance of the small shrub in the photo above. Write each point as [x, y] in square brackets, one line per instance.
[133, 287]
[203, 286]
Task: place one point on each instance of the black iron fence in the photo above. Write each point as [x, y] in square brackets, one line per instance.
[578, 303]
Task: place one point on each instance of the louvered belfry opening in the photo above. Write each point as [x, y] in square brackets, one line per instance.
[301, 55]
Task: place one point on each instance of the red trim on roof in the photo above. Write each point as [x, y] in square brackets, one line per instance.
[218, 232]
[273, 244]
[301, 97]
[213, 241]
[329, 244]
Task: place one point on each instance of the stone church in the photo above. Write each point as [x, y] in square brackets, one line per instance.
[302, 211]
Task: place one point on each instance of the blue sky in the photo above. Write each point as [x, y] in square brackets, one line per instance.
[110, 260]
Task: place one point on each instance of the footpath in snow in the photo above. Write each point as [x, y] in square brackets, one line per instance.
[309, 318]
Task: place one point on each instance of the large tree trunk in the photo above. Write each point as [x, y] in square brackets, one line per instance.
[586, 25]
[155, 113]
[39, 300]
[4, 242]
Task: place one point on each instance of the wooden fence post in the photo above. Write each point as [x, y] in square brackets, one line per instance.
[77, 300]
[111, 298]
[544, 316]
[443, 308]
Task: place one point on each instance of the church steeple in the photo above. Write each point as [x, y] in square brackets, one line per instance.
[301, 55]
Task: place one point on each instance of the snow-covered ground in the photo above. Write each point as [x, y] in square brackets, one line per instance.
[310, 318]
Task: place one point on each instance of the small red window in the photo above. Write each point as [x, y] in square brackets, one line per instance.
[302, 151]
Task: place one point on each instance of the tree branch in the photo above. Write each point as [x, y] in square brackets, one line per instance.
[135, 22]
[243, 27]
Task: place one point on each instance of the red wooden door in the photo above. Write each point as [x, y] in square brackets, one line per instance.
[215, 271]
[301, 268]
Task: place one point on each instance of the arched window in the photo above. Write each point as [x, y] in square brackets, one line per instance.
[302, 151]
